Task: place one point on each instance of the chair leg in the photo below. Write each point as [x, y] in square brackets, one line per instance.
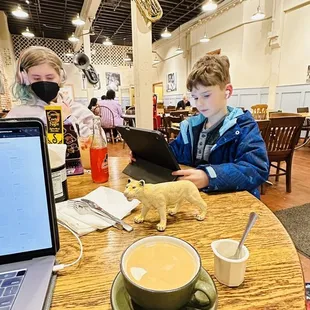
[306, 136]
[278, 171]
[263, 189]
[289, 175]
[112, 136]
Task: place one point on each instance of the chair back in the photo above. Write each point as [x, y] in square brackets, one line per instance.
[259, 111]
[170, 108]
[303, 110]
[283, 114]
[107, 118]
[130, 111]
[282, 136]
[263, 126]
[178, 113]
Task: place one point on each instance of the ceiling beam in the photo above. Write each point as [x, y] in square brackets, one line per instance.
[89, 10]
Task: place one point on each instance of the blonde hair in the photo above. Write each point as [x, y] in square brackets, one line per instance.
[210, 70]
[34, 56]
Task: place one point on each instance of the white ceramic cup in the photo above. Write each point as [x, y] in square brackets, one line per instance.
[229, 271]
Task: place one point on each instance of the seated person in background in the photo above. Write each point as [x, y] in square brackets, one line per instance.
[116, 109]
[183, 103]
[39, 76]
[224, 144]
[93, 106]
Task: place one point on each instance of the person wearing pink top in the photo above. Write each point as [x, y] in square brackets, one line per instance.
[114, 106]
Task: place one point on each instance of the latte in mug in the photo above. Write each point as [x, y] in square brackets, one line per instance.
[163, 273]
[160, 265]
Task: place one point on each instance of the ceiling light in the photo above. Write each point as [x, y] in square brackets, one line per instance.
[19, 12]
[166, 34]
[204, 39]
[127, 58]
[78, 21]
[73, 38]
[259, 14]
[27, 1]
[179, 51]
[156, 61]
[209, 6]
[107, 42]
[27, 33]
[69, 53]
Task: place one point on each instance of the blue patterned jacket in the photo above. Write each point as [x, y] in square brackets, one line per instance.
[238, 161]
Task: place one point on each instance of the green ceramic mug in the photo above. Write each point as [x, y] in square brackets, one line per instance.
[197, 292]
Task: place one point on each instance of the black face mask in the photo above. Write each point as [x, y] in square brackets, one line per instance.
[46, 91]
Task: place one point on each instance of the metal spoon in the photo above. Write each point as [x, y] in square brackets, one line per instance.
[252, 219]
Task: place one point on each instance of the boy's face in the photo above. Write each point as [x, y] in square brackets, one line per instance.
[211, 100]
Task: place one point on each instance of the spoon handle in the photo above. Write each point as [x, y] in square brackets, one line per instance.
[252, 219]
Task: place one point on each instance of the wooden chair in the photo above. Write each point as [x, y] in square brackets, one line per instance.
[107, 121]
[263, 126]
[195, 111]
[170, 128]
[170, 108]
[178, 113]
[281, 138]
[303, 110]
[306, 124]
[130, 111]
[283, 114]
[259, 111]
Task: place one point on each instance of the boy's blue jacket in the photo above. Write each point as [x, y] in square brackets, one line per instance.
[238, 161]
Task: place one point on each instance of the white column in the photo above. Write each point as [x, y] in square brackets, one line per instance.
[142, 64]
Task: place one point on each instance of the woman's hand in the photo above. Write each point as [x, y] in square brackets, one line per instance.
[65, 106]
[197, 176]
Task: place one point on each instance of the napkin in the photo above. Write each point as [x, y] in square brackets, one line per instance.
[108, 199]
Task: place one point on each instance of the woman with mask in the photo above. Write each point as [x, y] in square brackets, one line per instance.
[39, 76]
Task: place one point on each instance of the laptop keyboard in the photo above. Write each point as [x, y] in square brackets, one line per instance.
[10, 283]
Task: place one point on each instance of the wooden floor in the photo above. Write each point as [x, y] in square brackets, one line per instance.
[276, 197]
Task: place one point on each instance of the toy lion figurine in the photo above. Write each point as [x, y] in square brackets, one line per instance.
[164, 196]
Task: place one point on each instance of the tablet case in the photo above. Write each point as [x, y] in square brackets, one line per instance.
[154, 160]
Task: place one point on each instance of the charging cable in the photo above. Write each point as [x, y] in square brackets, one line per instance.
[63, 266]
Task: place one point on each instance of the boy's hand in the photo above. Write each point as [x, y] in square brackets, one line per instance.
[197, 176]
[132, 159]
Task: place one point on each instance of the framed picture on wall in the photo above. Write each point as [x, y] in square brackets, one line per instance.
[171, 82]
[308, 75]
[67, 93]
[113, 80]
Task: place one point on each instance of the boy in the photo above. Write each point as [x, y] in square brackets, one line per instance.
[223, 143]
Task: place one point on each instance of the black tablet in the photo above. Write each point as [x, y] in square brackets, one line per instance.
[154, 159]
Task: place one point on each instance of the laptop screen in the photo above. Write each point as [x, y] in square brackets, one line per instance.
[24, 217]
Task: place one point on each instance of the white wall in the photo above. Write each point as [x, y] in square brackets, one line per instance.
[251, 54]
[295, 49]
[245, 43]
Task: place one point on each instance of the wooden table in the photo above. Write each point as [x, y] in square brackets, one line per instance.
[273, 279]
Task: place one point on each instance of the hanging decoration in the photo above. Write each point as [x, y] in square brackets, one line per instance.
[150, 10]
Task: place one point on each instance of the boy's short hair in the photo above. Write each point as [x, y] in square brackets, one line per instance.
[210, 70]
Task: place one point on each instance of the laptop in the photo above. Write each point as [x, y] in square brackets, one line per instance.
[28, 226]
[154, 160]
